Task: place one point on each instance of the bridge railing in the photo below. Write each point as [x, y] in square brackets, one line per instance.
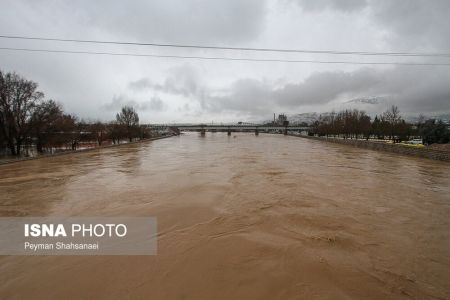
[226, 127]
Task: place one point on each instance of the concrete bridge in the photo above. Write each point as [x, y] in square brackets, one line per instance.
[229, 128]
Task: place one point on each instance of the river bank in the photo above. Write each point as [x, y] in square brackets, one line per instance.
[435, 154]
[14, 160]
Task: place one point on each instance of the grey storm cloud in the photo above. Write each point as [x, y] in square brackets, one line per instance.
[175, 20]
[408, 24]
[324, 87]
[249, 96]
[423, 89]
[223, 89]
[182, 80]
[413, 23]
[343, 5]
[154, 104]
[415, 90]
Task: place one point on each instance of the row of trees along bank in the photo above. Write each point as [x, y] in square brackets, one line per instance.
[389, 125]
[28, 121]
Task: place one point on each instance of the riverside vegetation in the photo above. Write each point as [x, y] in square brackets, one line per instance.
[29, 122]
[356, 124]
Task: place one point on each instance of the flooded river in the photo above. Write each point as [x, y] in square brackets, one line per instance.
[243, 217]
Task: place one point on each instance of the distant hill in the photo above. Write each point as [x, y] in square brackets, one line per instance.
[445, 117]
[368, 100]
[308, 118]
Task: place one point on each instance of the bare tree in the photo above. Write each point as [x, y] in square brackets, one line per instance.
[115, 132]
[44, 123]
[18, 98]
[66, 132]
[129, 118]
[98, 130]
[393, 118]
[2, 138]
[364, 124]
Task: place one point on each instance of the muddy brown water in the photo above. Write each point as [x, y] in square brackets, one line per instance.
[244, 217]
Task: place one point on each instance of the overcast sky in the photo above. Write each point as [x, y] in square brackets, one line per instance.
[182, 90]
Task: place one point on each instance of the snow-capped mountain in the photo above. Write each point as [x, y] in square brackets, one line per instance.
[368, 100]
[308, 118]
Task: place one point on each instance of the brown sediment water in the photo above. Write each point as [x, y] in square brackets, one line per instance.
[245, 217]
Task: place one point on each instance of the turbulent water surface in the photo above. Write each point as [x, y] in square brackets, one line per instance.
[245, 216]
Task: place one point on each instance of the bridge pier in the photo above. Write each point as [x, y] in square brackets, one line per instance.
[256, 131]
[285, 131]
[202, 132]
[229, 132]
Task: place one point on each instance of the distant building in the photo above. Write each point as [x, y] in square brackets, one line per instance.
[281, 120]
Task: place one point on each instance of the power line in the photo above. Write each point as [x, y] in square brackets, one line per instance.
[222, 58]
[406, 54]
